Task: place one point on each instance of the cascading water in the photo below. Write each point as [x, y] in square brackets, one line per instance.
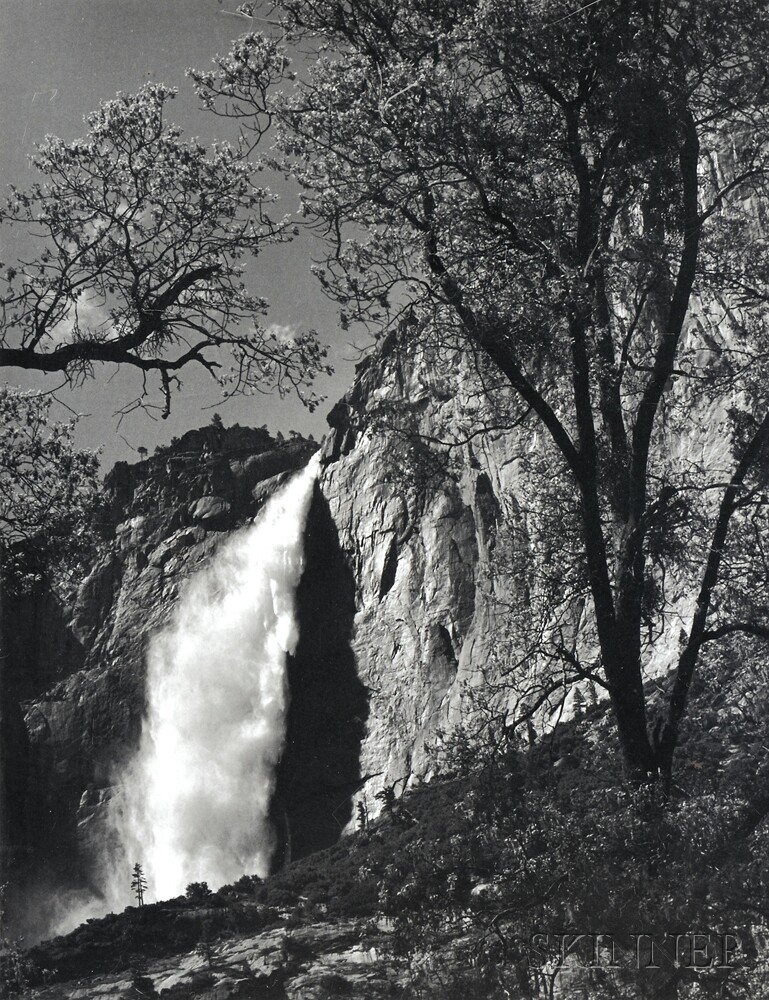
[194, 803]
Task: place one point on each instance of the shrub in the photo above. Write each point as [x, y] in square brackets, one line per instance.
[336, 985]
[144, 985]
[198, 893]
[295, 917]
[247, 884]
[298, 950]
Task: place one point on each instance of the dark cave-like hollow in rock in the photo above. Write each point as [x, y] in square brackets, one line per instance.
[319, 773]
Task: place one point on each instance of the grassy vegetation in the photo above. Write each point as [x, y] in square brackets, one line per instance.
[513, 841]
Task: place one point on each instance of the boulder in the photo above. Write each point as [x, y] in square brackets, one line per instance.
[210, 510]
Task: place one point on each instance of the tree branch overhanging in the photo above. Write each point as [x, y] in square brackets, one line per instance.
[144, 236]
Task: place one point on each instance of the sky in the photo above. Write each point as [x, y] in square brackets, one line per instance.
[58, 60]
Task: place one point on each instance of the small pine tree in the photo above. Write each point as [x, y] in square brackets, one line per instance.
[388, 799]
[142, 452]
[138, 883]
[140, 981]
[217, 422]
[206, 947]
[362, 816]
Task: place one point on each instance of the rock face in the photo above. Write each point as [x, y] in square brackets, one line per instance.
[402, 599]
[417, 521]
[345, 958]
[402, 609]
[428, 483]
[398, 607]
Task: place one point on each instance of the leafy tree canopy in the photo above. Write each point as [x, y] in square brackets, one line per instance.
[574, 199]
[144, 241]
[48, 487]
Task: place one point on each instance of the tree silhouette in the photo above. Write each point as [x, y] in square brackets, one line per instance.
[571, 200]
[207, 947]
[362, 815]
[143, 240]
[138, 883]
[49, 488]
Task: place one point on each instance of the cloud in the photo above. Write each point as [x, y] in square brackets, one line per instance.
[283, 333]
[86, 314]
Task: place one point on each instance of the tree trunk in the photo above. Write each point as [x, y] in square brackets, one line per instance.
[628, 703]
[618, 624]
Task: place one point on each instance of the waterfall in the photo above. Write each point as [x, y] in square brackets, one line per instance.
[194, 803]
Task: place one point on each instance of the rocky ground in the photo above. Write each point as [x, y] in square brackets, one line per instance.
[344, 958]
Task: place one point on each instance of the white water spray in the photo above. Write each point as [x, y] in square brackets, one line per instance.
[195, 801]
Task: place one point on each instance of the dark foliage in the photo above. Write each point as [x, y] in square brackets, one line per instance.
[544, 838]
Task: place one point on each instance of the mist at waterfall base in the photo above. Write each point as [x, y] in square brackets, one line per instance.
[193, 805]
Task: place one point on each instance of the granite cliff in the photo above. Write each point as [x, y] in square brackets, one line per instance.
[402, 610]
[417, 509]
[396, 607]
